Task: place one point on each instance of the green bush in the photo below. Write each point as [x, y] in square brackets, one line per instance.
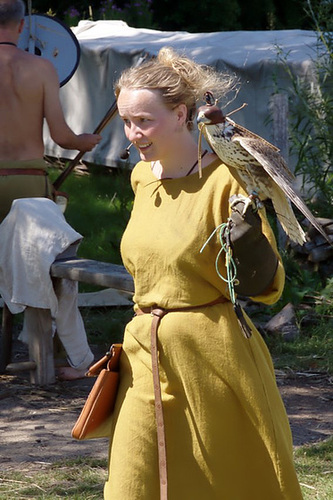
[311, 115]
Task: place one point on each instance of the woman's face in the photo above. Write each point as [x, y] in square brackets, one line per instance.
[153, 128]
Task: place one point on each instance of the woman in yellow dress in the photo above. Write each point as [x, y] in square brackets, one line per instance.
[208, 422]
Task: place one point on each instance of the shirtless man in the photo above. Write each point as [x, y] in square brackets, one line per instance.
[29, 92]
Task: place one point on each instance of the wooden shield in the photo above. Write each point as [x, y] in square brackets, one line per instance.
[48, 37]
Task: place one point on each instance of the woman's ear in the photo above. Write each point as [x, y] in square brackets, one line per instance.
[181, 113]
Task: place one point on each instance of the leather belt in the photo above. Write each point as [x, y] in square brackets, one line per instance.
[158, 313]
[22, 171]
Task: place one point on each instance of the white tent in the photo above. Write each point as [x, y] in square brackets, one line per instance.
[108, 47]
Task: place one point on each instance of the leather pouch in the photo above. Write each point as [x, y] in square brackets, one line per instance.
[95, 418]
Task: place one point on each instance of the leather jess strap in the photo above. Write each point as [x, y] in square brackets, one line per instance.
[157, 314]
[22, 171]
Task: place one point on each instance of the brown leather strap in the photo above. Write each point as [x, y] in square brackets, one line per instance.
[148, 310]
[22, 171]
[161, 445]
[157, 314]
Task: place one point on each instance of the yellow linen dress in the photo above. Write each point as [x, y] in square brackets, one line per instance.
[227, 433]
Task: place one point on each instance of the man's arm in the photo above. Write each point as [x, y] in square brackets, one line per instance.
[60, 132]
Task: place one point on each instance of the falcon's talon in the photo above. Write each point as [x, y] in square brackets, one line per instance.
[247, 202]
[256, 201]
[252, 199]
[237, 198]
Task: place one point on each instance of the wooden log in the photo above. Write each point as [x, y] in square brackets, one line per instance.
[40, 345]
[6, 338]
[21, 366]
[320, 254]
[94, 272]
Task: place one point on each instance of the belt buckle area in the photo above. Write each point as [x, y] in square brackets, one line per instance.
[158, 311]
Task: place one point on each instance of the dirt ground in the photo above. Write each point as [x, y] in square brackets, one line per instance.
[36, 423]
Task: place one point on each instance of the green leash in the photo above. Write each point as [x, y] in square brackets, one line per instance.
[223, 231]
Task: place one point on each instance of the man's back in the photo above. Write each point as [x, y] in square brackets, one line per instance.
[29, 92]
[22, 83]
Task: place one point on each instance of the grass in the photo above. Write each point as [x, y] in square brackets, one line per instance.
[105, 326]
[313, 304]
[83, 478]
[312, 351]
[98, 208]
[315, 470]
[80, 479]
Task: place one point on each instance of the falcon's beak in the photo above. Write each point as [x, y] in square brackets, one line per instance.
[201, 117]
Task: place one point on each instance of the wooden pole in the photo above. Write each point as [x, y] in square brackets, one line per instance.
[63, 176]
[109, 115]
[6, 338]
[39, 322]
[279, 110]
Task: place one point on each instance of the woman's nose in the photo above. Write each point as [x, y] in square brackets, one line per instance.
[134, 133]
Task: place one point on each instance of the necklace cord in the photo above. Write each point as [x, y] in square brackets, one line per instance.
[188, 173]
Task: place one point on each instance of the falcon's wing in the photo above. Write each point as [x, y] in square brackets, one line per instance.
[244, 132]
[269, 158]
[276, 168]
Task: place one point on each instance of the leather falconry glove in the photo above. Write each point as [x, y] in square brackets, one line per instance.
[255, 260]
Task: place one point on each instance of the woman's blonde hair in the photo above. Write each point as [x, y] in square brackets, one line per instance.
[179, 79]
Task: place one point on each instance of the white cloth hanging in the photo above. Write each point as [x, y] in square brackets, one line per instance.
[32, 235]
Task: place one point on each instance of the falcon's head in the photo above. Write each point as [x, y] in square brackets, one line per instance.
[210, 115]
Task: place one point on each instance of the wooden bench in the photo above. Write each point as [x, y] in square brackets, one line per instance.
[41, 364]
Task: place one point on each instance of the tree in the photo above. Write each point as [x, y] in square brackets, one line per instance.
[188, 15]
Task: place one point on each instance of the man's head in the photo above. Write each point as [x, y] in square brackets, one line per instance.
[11, 12]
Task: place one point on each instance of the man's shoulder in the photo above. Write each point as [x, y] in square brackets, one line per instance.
[33, 59]
[29, 64]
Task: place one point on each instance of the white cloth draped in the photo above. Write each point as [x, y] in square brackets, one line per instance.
[32, 235]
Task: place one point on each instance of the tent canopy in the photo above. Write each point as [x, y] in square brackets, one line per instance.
[108, 47]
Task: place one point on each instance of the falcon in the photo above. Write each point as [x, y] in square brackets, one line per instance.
[259, 165]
